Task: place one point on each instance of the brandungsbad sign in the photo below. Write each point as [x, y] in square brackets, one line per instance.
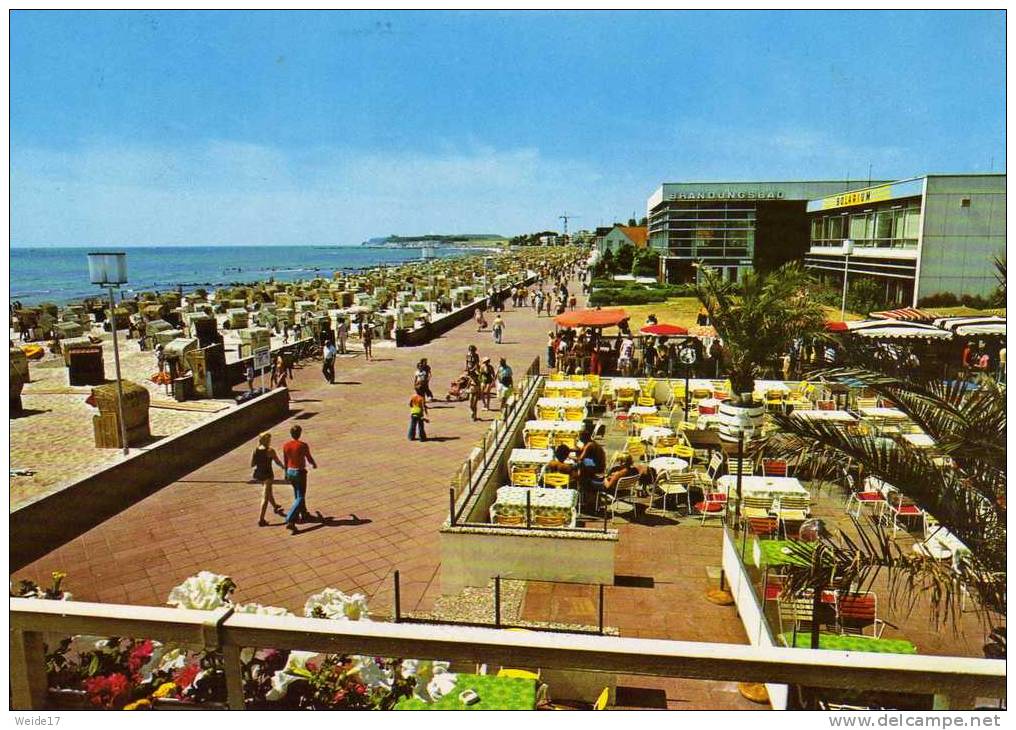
[729, 195]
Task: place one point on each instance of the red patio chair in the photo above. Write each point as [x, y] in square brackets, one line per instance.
[774, 467]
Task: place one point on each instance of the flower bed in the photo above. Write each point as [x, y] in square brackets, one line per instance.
[113, 673]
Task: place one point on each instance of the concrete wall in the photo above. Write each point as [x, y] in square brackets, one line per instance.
[750, 611]
[436, 328]
[54, 519]
[471, 556]
[958, 242]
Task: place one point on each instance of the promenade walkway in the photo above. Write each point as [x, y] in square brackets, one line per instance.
[385, 499]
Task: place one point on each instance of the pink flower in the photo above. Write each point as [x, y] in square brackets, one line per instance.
[185, 676]
[139, 656]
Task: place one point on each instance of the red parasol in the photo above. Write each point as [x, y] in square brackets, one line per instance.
[832, 326]
[663, 329]
[592, 318]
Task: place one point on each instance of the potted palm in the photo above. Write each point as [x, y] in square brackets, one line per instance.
[757, 319]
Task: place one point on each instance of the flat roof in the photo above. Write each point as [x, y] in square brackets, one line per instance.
[895, 190]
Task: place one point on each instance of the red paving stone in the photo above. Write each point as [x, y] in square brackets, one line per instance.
[397, 491]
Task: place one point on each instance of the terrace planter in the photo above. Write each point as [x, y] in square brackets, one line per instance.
[736, 419]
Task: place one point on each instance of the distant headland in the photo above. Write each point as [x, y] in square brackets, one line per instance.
[438, 240]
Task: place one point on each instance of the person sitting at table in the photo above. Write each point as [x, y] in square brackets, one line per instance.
[592, 461]
[560, 463]
[625, 467]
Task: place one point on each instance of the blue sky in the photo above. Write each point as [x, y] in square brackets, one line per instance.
[143, 128]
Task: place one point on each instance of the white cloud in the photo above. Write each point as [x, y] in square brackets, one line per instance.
[223, 191]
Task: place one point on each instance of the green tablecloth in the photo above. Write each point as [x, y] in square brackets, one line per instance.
[772, 553]
[496, 693]
[837, 642]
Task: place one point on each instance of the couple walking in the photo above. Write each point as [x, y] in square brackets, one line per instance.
[295, 457]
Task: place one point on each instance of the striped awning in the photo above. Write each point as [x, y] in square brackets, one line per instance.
[907, 314]
[888, 329]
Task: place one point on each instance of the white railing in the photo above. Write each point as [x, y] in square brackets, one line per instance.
[32, 619]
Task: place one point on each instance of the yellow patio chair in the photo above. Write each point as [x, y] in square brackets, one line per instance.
[548, 414]
[602, 700]
[756, 507]
[556, 480]
[512, 520]
[655, 421]
[556, 376]
[550, 521]
[574, 414]
[573, 393]
[565, 439]
[636, 451]
[593, 380]
[538, 440]
[624, 397]
[518, 673]
[648, 388]
[867, 403]
[524, 478]
[646, 402]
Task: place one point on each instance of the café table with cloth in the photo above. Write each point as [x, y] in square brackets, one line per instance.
[549, 385]
[884, 414]
[668, 463]
[833, 416]
[624, 384]
[760, 486]
[544, 502]
[552, 427]
[555, 402]
[652, 433]
[643, 411]
[530, 457]
[919, 440]
[495, 693]
[845, 642]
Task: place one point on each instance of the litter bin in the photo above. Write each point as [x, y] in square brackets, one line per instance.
[183, 388]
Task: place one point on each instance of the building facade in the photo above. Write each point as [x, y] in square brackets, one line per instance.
[635, 236]
[732, 226]
[915, 238]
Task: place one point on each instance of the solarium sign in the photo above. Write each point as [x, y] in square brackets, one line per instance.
[731, 195]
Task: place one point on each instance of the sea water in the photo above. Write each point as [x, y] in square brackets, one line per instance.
[61, 274]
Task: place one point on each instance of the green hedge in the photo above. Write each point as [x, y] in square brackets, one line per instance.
[637, 293]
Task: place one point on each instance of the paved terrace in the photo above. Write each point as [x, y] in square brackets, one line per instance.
[385, 498]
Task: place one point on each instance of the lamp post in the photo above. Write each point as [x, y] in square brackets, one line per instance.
[848, 248]
[109, 270]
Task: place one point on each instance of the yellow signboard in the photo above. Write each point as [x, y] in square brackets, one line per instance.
[857, 197]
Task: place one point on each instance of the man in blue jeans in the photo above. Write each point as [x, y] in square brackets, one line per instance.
[295, 456]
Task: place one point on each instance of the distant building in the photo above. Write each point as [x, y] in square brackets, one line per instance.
[732, 226]
[618, 236]
[918, 237]
[549, 240]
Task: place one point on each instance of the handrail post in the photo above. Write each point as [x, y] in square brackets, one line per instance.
[601, 609]
[451, 506]
[497, 601]
[528, 508]
[28, 670]
[234, 677]
[398, 597]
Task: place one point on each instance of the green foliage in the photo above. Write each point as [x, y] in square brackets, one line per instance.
[625, 258]
[759, 318]
[646, 263]
[865, 296]
[609, 293]
[948, 299]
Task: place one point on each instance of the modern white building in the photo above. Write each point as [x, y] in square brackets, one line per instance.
[927, 235]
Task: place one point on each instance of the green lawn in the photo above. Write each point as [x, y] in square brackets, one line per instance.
[683, 311]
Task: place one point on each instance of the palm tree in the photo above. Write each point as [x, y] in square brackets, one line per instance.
[967, 420]
[758, 318]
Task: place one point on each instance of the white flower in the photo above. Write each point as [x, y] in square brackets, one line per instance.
[202, 592]
[173, 660]
[337, 605]
[433, 680]
[373, 674]
[295, 669]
